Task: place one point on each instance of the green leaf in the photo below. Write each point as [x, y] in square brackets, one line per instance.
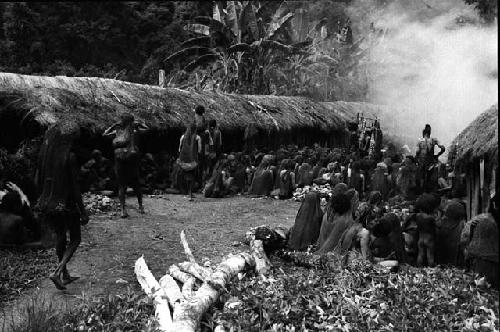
[232, 18]
[201, 61]
[197, 28]
[249, 19]
[275, 26]
[197, 41]
[187, 52]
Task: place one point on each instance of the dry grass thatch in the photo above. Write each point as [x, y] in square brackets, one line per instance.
[479, 139]
[97, 102]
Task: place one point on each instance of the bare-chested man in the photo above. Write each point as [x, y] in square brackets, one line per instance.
[426, 158]
[126, 157]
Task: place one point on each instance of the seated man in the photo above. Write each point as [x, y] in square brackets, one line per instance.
[262, 183]
[96, 173]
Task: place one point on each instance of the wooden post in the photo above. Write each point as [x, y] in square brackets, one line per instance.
[161, 78]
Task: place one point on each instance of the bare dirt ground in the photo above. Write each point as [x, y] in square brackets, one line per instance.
[110, 245]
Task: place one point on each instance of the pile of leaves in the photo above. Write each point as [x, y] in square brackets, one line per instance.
[131, 311]
[98, 204]
[323, 190]
[23, 269]
[361, 297]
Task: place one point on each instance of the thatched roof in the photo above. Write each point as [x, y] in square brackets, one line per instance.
[97, 102]
[479, 139]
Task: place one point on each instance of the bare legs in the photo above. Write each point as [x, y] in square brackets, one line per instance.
[138, 193]
[127, 172]
[190, 189]
[64, 253]
[121, 193]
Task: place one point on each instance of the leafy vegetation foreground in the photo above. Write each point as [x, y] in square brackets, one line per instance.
[360, 298]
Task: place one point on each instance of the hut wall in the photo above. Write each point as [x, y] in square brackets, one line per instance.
[478, 199]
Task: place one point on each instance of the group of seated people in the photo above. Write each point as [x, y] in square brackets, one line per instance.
[97, 174]
[280, 173]
[434, 230]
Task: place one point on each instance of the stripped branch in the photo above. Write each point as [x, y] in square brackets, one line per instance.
[187, 250]
[194, 269]
[153, 289]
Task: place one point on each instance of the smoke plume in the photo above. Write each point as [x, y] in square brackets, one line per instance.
[431, 60]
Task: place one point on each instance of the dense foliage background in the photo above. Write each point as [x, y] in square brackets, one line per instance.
[269, 47]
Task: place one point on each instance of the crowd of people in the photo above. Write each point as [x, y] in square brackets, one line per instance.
[381, 203]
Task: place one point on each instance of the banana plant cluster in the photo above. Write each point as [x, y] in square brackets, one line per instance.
[239, 44]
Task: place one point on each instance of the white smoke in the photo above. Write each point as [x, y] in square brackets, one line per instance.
[429, 66]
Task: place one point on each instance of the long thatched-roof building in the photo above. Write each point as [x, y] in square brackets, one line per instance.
[28, 104]
[474, 154]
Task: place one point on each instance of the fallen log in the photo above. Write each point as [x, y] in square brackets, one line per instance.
[262, 263]
[187, 314]
[188, 288]
[153, 289]
[187, 311]
[200, 273]
[188, 281]
[187, 250]
[171, 289]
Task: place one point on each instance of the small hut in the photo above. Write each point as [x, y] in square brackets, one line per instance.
[474, 152]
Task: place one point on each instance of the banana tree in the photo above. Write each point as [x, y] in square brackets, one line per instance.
[240, 41]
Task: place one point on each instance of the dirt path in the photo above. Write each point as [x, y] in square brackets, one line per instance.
[110, 245]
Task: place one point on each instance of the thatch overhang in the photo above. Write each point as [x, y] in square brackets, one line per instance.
[97, 102]
[478, 140]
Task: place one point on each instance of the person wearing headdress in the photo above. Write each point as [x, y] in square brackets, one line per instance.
[480, 240]
[338, 218]
[126, 157]
[406, 179]
[379, 180]
[60, 203]
[286, 183]
[262, 182]
[305, 231]
[189, 150]
[305, 177]
[448, 230]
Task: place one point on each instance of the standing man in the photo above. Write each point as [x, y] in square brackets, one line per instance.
[60, 202]
[426, 159]
[213, 149]
[201, 128]
[126, 157]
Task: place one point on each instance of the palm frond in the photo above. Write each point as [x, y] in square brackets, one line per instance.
[197, 41]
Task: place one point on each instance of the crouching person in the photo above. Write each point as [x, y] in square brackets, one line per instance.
[480, 238]
[387, 242]
[18, 225]
[60, 203]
